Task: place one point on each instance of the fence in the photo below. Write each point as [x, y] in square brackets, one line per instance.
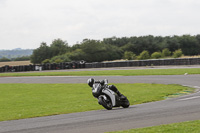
[82, 64]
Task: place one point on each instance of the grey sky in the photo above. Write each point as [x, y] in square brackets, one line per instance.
[27, 23]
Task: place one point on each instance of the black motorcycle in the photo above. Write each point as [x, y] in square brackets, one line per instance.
[106, 97]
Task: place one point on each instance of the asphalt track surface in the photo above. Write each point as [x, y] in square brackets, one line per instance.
[184, 108]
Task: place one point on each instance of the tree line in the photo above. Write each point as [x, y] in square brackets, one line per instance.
[143, 47]
[15, 53]
[22, 58]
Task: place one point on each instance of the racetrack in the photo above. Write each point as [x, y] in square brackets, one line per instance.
[149, 114]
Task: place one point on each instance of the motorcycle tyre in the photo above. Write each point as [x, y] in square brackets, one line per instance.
[125, 104]
[102, 102]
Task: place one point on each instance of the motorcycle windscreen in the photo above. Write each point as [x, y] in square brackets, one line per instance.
[96, 90]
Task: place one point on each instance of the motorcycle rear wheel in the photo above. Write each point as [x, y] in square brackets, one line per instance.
[107, 104]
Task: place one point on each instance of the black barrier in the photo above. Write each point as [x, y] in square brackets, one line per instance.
[83, 64]
[153, 62]
[48, 66]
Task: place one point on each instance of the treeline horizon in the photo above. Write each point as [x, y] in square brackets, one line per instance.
[16, 54]
[114, 48]
[117, 48]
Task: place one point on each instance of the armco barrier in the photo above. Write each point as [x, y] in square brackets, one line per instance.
[153, 62]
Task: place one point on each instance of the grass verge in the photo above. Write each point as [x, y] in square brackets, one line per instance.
[183, 127]
[111, 72]
[18, 101]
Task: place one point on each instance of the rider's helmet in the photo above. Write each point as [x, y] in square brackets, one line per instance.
[103, 82]
[90, 82]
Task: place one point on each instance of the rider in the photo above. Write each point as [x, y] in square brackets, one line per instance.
[91, 81]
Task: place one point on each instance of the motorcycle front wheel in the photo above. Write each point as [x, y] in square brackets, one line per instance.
[125, 104]
[106, 103]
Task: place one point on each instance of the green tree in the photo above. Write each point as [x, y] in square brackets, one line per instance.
[45, 61]
[189, 45]
[23, 58]
[129, 47]
[144, 55]
[166, 52]
[77, 55]
[156, 55]
[59, 47]
[75, 46]
[60, 58]
[4, 59]
[40, 54]
[94, 50]
[178, 53]
[172, 43]
[112, 52]
[129, 55]
[97, 51]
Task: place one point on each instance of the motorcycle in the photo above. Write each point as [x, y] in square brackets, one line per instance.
[106, 97]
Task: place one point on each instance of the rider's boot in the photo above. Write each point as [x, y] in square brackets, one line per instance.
[121, 95]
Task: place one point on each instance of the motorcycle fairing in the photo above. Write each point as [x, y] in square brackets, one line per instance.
[111, 94]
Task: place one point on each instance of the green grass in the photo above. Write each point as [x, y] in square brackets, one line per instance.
[19, 101]
[183, 127]
[111, 72]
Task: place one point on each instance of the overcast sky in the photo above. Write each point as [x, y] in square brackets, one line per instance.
[28, 23]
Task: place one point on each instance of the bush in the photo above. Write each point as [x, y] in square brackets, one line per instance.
[156, 55]
[76, 55]
[178, 53]
[144, 55]
[60, 58]
[23, 58]
[166, 52]
[46, 61]
[129, 55]
[4, 59]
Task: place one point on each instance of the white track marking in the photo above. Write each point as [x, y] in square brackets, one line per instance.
[189, 98]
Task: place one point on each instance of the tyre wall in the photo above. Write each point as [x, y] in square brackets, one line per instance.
[155, 62]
